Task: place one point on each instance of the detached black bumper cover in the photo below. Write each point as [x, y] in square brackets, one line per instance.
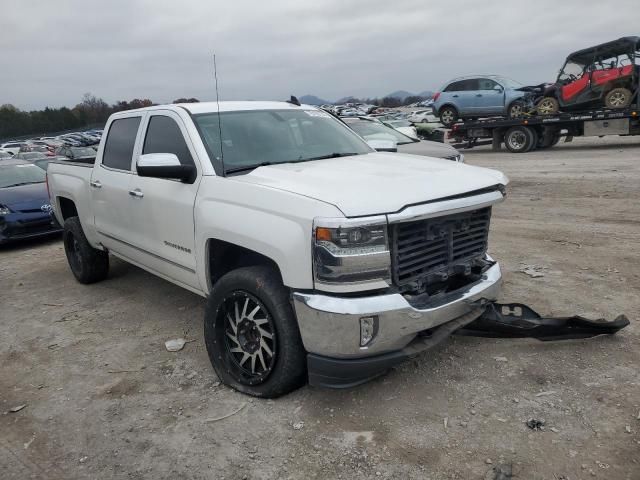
[513, 320]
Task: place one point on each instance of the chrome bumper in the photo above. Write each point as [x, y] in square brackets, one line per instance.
[330, 326]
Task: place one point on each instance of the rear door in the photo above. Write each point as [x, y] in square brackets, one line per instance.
[110, 181]
[487, 99]
[162, 209]
[461, 95]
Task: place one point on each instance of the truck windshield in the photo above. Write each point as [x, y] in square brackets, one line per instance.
[267, 137]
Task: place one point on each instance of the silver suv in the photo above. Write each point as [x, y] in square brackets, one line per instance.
[478, 96]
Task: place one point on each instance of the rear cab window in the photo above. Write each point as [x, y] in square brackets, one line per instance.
[120, 143]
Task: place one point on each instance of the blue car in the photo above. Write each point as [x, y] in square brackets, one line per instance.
[25, 210]
[478, 96]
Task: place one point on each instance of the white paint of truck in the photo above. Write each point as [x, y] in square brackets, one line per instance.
[269, 210]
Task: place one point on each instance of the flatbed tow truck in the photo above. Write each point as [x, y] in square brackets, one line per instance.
[530, 132]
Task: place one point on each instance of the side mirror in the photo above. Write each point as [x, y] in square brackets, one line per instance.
[498, 89]
[383, 145]
[164, 165]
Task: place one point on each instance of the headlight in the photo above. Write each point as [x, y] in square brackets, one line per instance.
[4, 210]
[351, 255]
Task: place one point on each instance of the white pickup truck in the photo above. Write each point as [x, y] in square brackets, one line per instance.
[321, 259]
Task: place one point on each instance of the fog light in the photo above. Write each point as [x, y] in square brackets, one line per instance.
[368, 330]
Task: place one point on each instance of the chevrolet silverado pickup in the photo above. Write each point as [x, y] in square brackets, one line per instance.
[320, 259]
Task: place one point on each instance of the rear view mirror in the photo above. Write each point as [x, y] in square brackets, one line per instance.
[383, 145]
[164, 165]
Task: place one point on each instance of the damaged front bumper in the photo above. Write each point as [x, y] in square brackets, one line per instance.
[331, 335]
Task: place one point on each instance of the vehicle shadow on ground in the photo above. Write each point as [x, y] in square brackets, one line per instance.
[30, 243]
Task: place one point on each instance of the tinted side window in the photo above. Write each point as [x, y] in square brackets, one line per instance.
[470, 84]
[455, 87]
[164, 136]
[118, 149]
[486, 84]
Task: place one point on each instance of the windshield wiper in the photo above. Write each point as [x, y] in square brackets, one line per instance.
[249, 167]
[330, 155]
[266, 164]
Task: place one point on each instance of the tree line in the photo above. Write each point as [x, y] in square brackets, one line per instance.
[91, 111]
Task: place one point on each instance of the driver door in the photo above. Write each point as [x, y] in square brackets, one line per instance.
[162, 209]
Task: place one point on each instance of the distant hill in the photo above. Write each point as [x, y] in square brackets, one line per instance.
[401, 94]
[312, 100]
[344, 100]
[426, 93]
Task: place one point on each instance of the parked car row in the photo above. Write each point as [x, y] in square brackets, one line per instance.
[49, 145]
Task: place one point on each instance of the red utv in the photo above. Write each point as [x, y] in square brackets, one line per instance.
[602, 76]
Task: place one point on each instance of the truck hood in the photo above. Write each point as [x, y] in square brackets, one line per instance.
[375, 183]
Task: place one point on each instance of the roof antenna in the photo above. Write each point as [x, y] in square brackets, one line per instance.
[294, 101]
[215, 76]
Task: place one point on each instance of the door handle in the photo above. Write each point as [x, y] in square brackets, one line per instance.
[454, 96]
[95, 184]
[136, 193]
[479, 95]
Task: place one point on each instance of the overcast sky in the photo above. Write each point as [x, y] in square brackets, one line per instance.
[54, 51]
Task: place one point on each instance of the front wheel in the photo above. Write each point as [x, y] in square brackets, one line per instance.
[252, 334]
[516, 109]
[520, 139]
[88, 265]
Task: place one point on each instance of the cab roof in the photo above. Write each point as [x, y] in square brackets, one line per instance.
[606, 50]
[212, 107]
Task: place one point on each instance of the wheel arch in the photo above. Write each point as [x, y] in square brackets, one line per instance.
[67, 208]
[223, 257]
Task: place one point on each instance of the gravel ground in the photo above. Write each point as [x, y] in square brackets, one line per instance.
[104, 399]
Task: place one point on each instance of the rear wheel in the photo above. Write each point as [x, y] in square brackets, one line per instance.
[448, 116]
[252, 335]
[618, 98]
[520, 139]
[548, 106]
[88, 265]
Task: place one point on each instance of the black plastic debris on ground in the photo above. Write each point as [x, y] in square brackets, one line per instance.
[535, 424]
[503, 471]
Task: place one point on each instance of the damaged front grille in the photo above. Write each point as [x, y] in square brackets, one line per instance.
[427, 253]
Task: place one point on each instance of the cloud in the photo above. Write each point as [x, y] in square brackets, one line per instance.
[53, 52]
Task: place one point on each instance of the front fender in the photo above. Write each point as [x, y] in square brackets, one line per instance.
[272, 222]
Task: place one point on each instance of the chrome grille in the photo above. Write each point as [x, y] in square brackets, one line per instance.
[429, 251]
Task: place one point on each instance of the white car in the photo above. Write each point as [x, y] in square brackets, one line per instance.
[12, 147]
[403, 126]
[320, 259]
[423, 116]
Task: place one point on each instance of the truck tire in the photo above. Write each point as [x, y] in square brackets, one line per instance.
[448, 115]
[520, 139]
[548, 106]
[88, 264]
[548, 142]
[251, 333]
[618, 98]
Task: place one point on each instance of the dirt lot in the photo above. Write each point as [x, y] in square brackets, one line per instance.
[104, 399]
